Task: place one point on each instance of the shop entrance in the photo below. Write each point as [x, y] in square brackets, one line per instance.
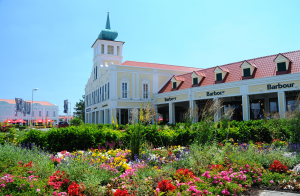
[122, 116]
[163, 113]
[234, 104]
[181, 111]
[263, 104]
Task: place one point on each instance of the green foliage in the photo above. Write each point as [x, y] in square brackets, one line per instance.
[8, 136]
[80, 109]
[76, 121]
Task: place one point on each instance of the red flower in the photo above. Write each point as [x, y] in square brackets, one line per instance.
[120, 192]
[277, 166]
[165, 186]
[75, 189]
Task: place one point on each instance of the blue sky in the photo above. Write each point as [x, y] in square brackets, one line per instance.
[47, 44]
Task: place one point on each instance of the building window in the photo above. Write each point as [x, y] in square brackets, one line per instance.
[108, 90]
[102, 48]
[195, 81]
[105, 91]
[110, 50]
[96, 72]
[53, 113]
[40, 113]
[47, 113]
[281, 66]
[145, 91]
[100, 93]
[118, 50]
[174, 85]
[219, 76]
[32, 113]
[246, 72]
[124, 90]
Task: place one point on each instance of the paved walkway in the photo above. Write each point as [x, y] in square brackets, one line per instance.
[277, 193]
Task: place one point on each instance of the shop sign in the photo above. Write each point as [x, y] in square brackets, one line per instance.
[88, 110]
[170, 99]
[270, 87]
[95, 108]
[104, 105]
[215, 93]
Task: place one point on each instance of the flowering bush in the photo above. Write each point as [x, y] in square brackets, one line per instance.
[59, 180]
[165, 186]
[184, 175]
[277, 166]
[76, 189]
[120, 192]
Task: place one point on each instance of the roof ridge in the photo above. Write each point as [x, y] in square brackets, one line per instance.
[162, 64]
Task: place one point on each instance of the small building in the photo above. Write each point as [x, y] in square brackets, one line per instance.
[41, 109]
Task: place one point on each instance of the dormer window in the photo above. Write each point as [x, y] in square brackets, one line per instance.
[176, 81]
[282, 64]
[220, 74]
[174, 85]
[248, 70]
[197, 78]
[219, 77]
[195, 81]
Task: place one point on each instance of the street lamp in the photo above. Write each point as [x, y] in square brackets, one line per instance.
[32, 104]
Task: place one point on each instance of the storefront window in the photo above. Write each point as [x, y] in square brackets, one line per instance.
[291, 100]
[273, 105]
[256, 109]
[237, 108]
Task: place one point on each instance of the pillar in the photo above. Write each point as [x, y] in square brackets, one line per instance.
[217, 116]
[105, 117]
[281, 104]
[246, 111]
[171, 113]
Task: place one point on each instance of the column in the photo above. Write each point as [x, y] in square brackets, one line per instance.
[171, 113]
[246, 111]
[86, 118]
[95, 117]
[281, 104]
[195, 111]
[217, 116]
[105, 117]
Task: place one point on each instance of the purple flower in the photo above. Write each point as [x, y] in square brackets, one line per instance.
[271, 181]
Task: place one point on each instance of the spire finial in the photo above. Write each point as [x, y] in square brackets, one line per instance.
[107, 22]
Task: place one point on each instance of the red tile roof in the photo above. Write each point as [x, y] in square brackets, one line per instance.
[265, 68]
[200, 73]
[160, 66]
[179, 78]
[12, 101]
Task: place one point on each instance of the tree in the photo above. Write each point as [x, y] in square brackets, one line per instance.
[80, 109]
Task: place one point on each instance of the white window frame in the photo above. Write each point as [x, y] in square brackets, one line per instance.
[125, 80]
[148, 90]
[125, 92]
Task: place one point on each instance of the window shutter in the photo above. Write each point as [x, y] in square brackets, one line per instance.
[219, 77]
[174, 85]
[281, 66]
[246, 72]
[195, 81]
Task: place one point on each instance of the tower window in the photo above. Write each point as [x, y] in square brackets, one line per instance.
[174, 85]
[118, 50]
[102, 48]
[195, 81]
[110, 50]
[281, 66]
[219, 76]
[246, 72]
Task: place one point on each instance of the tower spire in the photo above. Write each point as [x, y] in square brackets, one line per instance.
[107, 22]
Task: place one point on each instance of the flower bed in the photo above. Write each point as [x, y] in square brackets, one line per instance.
[216, 169]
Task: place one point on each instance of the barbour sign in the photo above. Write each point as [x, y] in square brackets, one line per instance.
[170, 99]
[215, 93]
[270, 87]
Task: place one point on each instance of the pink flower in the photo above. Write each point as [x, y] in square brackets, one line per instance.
[271, 181]
[178, 194]
[205, 192]
[31, 186]
[2, 185]
[254, 181]
[38, 190]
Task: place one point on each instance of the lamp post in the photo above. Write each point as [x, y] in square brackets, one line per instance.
[32, 104]
[70, 112]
